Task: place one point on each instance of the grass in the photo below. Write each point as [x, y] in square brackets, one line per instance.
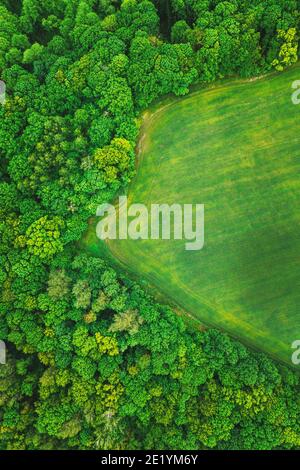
[235, 148]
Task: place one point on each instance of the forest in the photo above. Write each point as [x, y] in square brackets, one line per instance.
[93, 360]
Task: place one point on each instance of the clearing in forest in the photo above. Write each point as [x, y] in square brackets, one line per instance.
[234, 148]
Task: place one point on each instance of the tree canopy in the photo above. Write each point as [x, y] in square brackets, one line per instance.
[94, 362]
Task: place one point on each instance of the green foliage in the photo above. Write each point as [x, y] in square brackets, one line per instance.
[42, 237]
[113, 160]
[58, 284]
[127, 321]
[33, 53]
[288, 53]
[94, 362]
[135, 379]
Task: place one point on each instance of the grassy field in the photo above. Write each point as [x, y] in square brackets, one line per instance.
[235, 148]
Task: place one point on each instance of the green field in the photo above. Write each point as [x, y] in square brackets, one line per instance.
[235, 148]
